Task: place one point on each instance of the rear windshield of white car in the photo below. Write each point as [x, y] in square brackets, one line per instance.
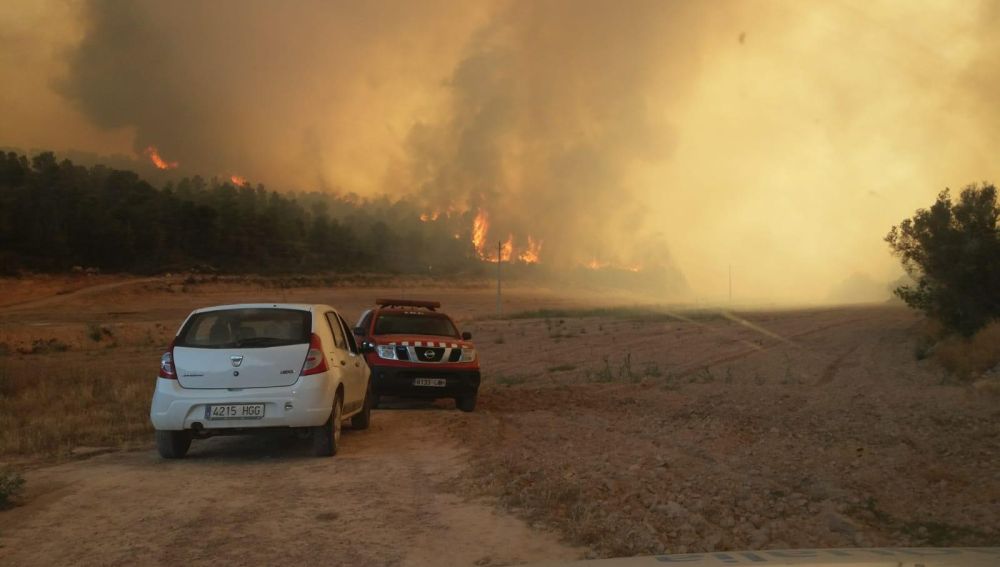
[242, 328]
[414, 324]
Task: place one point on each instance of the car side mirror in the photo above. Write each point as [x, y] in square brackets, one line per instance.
[466, 336]
[367, 346]
[359, 331]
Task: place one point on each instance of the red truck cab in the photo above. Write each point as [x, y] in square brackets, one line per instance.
[418, 352]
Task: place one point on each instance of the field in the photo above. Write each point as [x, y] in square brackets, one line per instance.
[604, 428]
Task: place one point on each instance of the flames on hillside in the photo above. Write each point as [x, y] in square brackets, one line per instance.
[157, 159]
[595, 264]
[525, 252]
[507, 249]
[531, 254]
[510, 249]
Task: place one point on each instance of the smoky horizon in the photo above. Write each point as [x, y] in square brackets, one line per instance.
[753, 149]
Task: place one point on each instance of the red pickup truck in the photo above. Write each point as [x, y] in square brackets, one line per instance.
[417, 351]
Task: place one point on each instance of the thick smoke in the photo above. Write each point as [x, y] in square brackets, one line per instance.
[552, 106]
[542, 113]
[302, 94]
[781, 139]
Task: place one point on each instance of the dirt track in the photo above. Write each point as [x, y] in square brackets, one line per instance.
[266, 501]
[630, 434]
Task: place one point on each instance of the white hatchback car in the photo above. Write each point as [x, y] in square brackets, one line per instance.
[244, 368]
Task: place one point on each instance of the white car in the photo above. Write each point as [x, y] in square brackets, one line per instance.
[244, 368]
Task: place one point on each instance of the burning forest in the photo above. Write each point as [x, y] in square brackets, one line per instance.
[640, 248]
[670, 138]
[225, 225]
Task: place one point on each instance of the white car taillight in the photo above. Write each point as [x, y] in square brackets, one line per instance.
[468, 355]
[167, 368]
[315, 362]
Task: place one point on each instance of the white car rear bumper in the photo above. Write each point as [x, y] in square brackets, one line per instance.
[310, 398]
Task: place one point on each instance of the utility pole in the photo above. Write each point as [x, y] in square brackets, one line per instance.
[499, 261]
[730, 284]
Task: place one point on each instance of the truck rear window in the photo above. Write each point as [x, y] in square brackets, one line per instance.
[414, 324]
[241, 328]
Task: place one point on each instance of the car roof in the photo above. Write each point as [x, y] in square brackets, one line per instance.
[295, 306]
[410, 311]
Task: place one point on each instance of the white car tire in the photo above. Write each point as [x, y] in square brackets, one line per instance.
[326, 437]
[363, 418]
[173, 444]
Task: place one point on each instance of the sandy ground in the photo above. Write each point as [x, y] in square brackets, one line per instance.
[384, 500]
[595, 436]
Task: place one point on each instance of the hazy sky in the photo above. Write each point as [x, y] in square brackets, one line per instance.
[783, 138]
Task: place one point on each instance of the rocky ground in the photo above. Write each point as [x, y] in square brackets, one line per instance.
[827, 433]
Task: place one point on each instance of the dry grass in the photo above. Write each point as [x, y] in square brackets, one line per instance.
[681, 437]
[644, 313]
[969, 357]
[50, 405]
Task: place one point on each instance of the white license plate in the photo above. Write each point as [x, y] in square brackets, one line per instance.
[234, 411]
[436, 382]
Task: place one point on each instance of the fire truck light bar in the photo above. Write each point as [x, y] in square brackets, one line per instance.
[432, 305]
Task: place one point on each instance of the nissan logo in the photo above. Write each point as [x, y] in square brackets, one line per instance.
[428, 354]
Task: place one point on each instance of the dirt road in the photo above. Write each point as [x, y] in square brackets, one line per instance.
[267, 501]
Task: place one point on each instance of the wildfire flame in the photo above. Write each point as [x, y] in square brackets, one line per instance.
[480, 225]
[507, 248]
[159, 162]
[424, 217]
[532, 253]
[595, 264]
[238, 180]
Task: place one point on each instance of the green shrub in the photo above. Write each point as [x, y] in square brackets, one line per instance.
[952, 252]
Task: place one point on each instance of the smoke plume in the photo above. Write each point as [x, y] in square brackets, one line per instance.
[780, 140]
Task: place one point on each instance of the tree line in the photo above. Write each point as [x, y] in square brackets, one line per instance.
[55, 215]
